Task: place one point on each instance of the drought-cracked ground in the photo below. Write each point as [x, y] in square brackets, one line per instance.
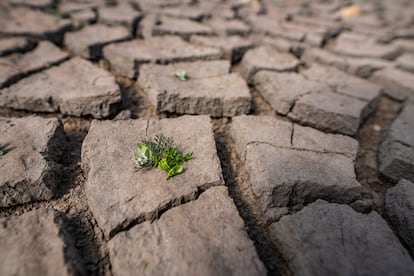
[300, 116]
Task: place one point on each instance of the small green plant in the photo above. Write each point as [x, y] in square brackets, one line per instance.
[181, 75]
[1, 153]
[160, 152]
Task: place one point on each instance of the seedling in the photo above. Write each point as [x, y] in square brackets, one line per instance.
[181, 75]
[160, 153]
[1, 153]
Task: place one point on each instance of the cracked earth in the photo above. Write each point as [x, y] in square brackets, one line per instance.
[299, 115]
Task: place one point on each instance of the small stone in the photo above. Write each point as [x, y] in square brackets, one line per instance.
[232, 47]
[37, 243]
[29, 170]
[332, 239]
[24, 21]
[88, 42]
[399, 208]
[17, 66]
[362, 205]
[266, 58]
[210, 89]
[76, 87]
[119, 194]
[397, 84]
[377, 127]
[396, 152]
[15, 44]
[125, 57]
[189, 239]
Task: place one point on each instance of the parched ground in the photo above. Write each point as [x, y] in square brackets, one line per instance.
[300, 116]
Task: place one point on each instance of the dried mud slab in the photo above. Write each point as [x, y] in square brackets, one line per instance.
[289, 164]
[126, 57]
[399, 209]
[209, 90]
[36, 243]
[342, 107]
[17, 66]
[266, 58]
[119, 195]
[180, 27]
[32, 3]
[202, 237]
[333, 239]
[232, 47]
[365, 49]
[89, 41]
[361, 67]
[15, 44]
[29, 169]
[76, 87]
[322, 97]
[397, 83]
[33, 23]
[122, 14]
[396, 152]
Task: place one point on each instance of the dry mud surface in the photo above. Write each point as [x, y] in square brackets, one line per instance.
[300, 116]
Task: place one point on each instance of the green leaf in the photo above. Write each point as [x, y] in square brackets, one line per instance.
[181, 74]
[163, 164]
[177, 169]
[161, 153]
[1, 153]
[142, 155]
[188, 156]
